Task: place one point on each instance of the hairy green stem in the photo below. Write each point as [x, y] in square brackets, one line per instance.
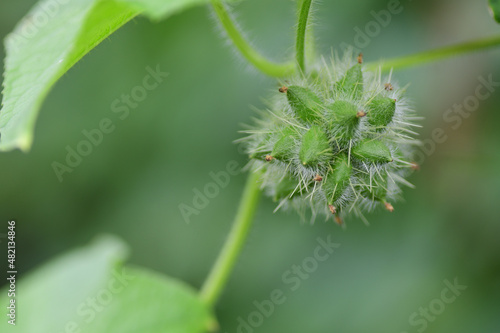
[433, 55]
[253, 56]
[304, 11]
[219, 275]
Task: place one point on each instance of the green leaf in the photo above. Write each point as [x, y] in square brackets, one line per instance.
[495, 9]
[39, 54]
[159, 9]
[48, 42]
[152, 303]
[88, 291]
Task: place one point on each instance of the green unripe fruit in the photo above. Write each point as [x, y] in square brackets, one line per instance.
[337, 180]
[343, 119]
[372, 151]
[285, 146]
[376, 189]
[259, 155]
[332, 138]
[381, 111]
[315, 147]
[304, 103]
[286, 189]
[352, 82]
[260, 151]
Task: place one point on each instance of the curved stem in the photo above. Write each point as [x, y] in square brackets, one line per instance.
[433, 55]
[304, 11]
[253, 56]
[219, 275]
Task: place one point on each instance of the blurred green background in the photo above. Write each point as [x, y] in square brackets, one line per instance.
[132, 184]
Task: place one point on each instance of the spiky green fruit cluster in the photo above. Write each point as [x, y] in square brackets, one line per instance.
[338, 141]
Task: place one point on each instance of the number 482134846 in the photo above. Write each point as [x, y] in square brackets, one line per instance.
[11, 236]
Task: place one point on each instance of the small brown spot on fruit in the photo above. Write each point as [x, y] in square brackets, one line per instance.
[332, 209]
[269, 158]
[360, 58]
[389, 207]
[339, 220]
[283, 89]
[388, 87]
[361, 114]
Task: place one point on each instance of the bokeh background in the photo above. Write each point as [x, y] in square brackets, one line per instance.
[132, 184]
